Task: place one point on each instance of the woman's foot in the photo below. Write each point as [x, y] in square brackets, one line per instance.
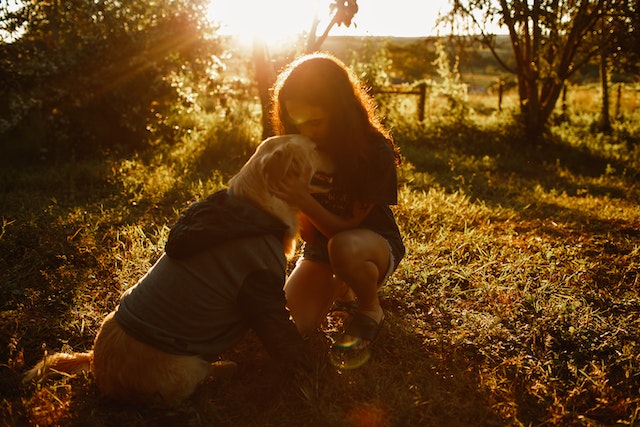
[351, 349]
[346, 304]
[362, 330]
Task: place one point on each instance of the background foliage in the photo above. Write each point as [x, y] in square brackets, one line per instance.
[88, 74]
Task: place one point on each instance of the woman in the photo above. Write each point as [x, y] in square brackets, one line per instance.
[352, 241]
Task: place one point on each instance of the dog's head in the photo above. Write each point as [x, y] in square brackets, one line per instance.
[296, 157]
[277, 159]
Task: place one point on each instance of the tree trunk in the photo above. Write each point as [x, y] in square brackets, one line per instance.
[545, 48]
[605, 118]
[531, 109]
[533, 123]
[265, 77]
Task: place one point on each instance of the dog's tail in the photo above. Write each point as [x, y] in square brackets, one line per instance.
[59, 363]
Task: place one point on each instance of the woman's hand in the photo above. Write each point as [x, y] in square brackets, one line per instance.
[296, 192]
[292, 190]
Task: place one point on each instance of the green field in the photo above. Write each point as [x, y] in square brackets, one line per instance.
[517, 303]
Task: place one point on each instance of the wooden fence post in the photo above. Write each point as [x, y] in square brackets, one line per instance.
[564, 102]
[618, 100]
[421, 102]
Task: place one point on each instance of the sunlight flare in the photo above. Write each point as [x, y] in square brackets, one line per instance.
[275, 21]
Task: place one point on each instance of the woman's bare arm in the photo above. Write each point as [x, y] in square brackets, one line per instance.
[325, 221]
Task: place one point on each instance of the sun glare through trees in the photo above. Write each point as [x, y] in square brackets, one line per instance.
[282, 20]
[275, 21]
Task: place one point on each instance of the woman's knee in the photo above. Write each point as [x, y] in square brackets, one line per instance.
[356, 252]
[345, 246]
[357, 246]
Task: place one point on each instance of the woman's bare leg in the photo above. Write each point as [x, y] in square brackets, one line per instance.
[360, 258]
[310, 290]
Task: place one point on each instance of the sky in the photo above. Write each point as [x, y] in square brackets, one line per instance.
[280, 18]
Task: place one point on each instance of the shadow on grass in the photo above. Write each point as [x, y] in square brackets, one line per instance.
[473, 154]
[400, 385]
[492, 166]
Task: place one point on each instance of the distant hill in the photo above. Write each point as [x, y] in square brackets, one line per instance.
[476, 63]
[412, 57]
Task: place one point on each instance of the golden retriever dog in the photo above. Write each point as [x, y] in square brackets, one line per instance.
[222, 273]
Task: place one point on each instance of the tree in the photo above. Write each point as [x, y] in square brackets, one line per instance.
[619, 39]
[550, 42]
[80, 73]
[624, 36]
[605, 118]
[342, 13]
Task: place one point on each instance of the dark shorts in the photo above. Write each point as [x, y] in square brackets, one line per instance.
[318, 252]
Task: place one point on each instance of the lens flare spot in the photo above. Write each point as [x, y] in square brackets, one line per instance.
[349, 353]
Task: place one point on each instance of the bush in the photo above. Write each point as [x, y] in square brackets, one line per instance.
[87, 75]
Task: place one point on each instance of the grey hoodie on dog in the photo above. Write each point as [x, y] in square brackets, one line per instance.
[223, 272]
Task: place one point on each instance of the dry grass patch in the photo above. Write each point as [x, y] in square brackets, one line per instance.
[516, 304]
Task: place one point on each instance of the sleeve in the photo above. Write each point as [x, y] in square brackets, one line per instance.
[262, 302]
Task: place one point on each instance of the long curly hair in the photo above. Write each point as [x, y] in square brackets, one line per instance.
[322, 80]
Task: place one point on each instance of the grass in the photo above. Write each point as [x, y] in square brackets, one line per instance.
[517, 303]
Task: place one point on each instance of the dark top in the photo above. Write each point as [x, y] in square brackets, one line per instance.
[381, 188]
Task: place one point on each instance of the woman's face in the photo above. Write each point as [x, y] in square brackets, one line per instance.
[310, 120]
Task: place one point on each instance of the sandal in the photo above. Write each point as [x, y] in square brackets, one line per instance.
[364, 327]
[351, 350]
